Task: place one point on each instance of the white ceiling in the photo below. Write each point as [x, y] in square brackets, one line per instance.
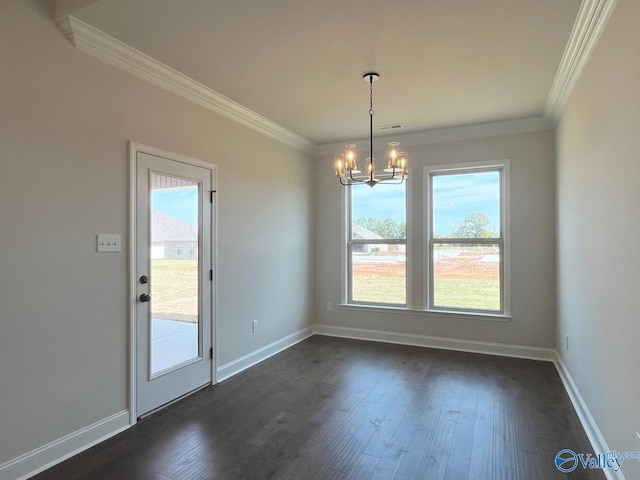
[299, 63]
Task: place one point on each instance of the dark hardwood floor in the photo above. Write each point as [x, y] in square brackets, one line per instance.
[331, 408]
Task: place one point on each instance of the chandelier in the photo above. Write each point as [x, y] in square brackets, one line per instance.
[345, 165]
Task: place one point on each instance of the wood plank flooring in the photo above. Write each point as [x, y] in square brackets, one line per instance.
[331, 408]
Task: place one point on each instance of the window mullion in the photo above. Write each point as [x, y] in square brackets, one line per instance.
[467, 241]
[392, 241]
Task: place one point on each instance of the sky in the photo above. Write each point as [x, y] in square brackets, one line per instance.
[454, 197]
[181, 204]
[382, 201]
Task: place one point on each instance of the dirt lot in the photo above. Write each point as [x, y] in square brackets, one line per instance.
[465, 266]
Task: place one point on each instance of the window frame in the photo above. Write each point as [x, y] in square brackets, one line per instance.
[503, 167]
[347, 248]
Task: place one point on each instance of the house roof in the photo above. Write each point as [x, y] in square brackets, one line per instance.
[166, 228]
[361, 233]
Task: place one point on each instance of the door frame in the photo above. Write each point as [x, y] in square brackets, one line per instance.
[134, 149]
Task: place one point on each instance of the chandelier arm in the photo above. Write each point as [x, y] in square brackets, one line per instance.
[352, 180]
[348, 183]
[391, 180]
[395, 175]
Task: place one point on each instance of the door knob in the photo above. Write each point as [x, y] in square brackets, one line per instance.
[145, 297]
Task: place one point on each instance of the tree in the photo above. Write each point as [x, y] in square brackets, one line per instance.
[387, 228]
[474, 225]
[369, 223]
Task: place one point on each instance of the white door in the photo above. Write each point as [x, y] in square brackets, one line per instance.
[173, 279]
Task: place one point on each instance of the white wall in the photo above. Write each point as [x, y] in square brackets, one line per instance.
[532, 234]
[598, 231]
[65, 120]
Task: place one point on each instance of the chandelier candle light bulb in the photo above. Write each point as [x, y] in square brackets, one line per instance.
[394, 160]
[351, 156]
[339, 165]
[345, 165]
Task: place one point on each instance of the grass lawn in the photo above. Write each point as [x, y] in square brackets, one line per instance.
[459, 293]
[476, 294]
[463, 281]
[376, 289]
[174, 289]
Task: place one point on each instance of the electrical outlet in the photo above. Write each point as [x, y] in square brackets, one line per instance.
[329, 306]
[254, 326]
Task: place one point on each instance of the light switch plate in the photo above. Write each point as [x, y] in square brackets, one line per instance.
[108, 242]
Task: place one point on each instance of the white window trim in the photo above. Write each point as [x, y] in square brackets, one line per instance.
[462, 315]
[505, 227]
[346, 262]
[423, 310]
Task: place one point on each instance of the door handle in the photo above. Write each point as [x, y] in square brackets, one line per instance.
[145, 297]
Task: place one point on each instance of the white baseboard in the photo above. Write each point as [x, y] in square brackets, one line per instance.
[236, 366]
[594, 435]
[55, 452]
[38, 460]
[502, 349]
[598, 442]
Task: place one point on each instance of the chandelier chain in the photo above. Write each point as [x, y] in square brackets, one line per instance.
[371, 96]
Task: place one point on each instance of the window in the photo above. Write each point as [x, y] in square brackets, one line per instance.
[465, 233]
[377, 245]
[466, 245]
[178, 250]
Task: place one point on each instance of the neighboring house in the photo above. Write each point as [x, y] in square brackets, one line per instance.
[361, 233]
[172, 238]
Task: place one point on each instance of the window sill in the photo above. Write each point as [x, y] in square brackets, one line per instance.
[491, 317]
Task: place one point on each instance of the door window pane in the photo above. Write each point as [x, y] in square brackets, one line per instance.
[174, 335]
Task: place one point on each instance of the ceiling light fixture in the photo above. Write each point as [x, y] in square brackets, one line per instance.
[345, 165]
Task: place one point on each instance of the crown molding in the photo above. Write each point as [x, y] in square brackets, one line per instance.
[449, 134]
[589, 25]
[95, 42]
[590, 22]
